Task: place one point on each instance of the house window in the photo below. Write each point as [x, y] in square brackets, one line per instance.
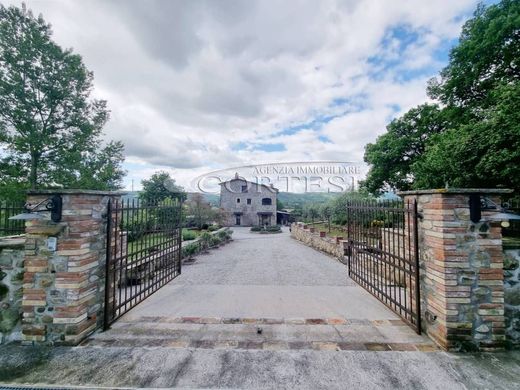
[249, 201]
[238, 200]
[244, 188]
[267, 202]
[237, 219]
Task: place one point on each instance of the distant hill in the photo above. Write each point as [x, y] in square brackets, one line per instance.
[289, 199]
[212, 199]
[294, 200]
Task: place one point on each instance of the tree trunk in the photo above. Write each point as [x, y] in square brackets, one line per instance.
[33, 176]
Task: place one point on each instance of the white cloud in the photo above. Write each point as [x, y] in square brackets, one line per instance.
[187, 80]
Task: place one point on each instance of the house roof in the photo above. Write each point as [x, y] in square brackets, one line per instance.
[270, 187]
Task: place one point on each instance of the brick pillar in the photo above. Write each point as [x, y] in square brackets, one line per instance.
[63, 290]
[462, 291]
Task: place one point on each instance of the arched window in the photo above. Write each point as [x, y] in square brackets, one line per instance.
[266, 202]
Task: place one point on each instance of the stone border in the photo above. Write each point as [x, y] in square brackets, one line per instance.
[307, 235]
[330, 346]
[266, 321]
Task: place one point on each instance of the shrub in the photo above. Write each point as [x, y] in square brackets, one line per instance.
[222, 235]
[188, 235]
[214, 241]
[212, 228]
[204, 226]
[205, 238]
[137, 225]
[267, 229]
[189, 250]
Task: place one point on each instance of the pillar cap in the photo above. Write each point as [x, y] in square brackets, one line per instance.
[60, 191]
[457, 191]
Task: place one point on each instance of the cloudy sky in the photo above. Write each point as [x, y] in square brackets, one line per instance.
[195, 86]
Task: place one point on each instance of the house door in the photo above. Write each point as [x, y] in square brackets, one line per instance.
[265, 220]
[237, 219]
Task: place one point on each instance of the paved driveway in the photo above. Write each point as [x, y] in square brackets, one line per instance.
[263, 276]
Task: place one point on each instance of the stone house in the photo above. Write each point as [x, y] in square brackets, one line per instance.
[248, 204]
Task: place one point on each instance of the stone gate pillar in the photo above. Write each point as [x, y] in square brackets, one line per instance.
[63, 288]
[462, 291]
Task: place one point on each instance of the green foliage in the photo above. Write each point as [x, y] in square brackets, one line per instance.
[188, 235]
[166, 213]
[291, 200]
[392, 155]
[273, 228]
[50, 129]
[137, 225]
[162, 217]
[189, 250]
[205, 238]
[223, 235]
[311, 212]
[483, 153]
[201, 214]
[339, 205]
[267, 229]
[160, 186]
[215, 240]
[486, 57]
[474, 139]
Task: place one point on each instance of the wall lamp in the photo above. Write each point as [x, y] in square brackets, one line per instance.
[52, 204]
[478, 203]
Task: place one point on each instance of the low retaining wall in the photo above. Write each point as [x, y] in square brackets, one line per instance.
[512, 296]
[310, 237]
[198, 243]
[11, 279]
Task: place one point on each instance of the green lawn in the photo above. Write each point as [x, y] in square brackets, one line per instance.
[147, 241]
[152, 239]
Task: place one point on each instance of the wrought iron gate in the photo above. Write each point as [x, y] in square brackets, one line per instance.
[143, 252]
[383, 254]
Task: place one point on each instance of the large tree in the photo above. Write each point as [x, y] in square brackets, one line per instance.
[50, 127]
[160, 186]
[480, 153]
[486, 57]
[392, 155]
[473, 140]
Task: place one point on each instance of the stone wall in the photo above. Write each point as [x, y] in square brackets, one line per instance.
[512, 296]
[247, 203]
[11, 277]
[63, 290]
[462, 288]
[310, 237]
